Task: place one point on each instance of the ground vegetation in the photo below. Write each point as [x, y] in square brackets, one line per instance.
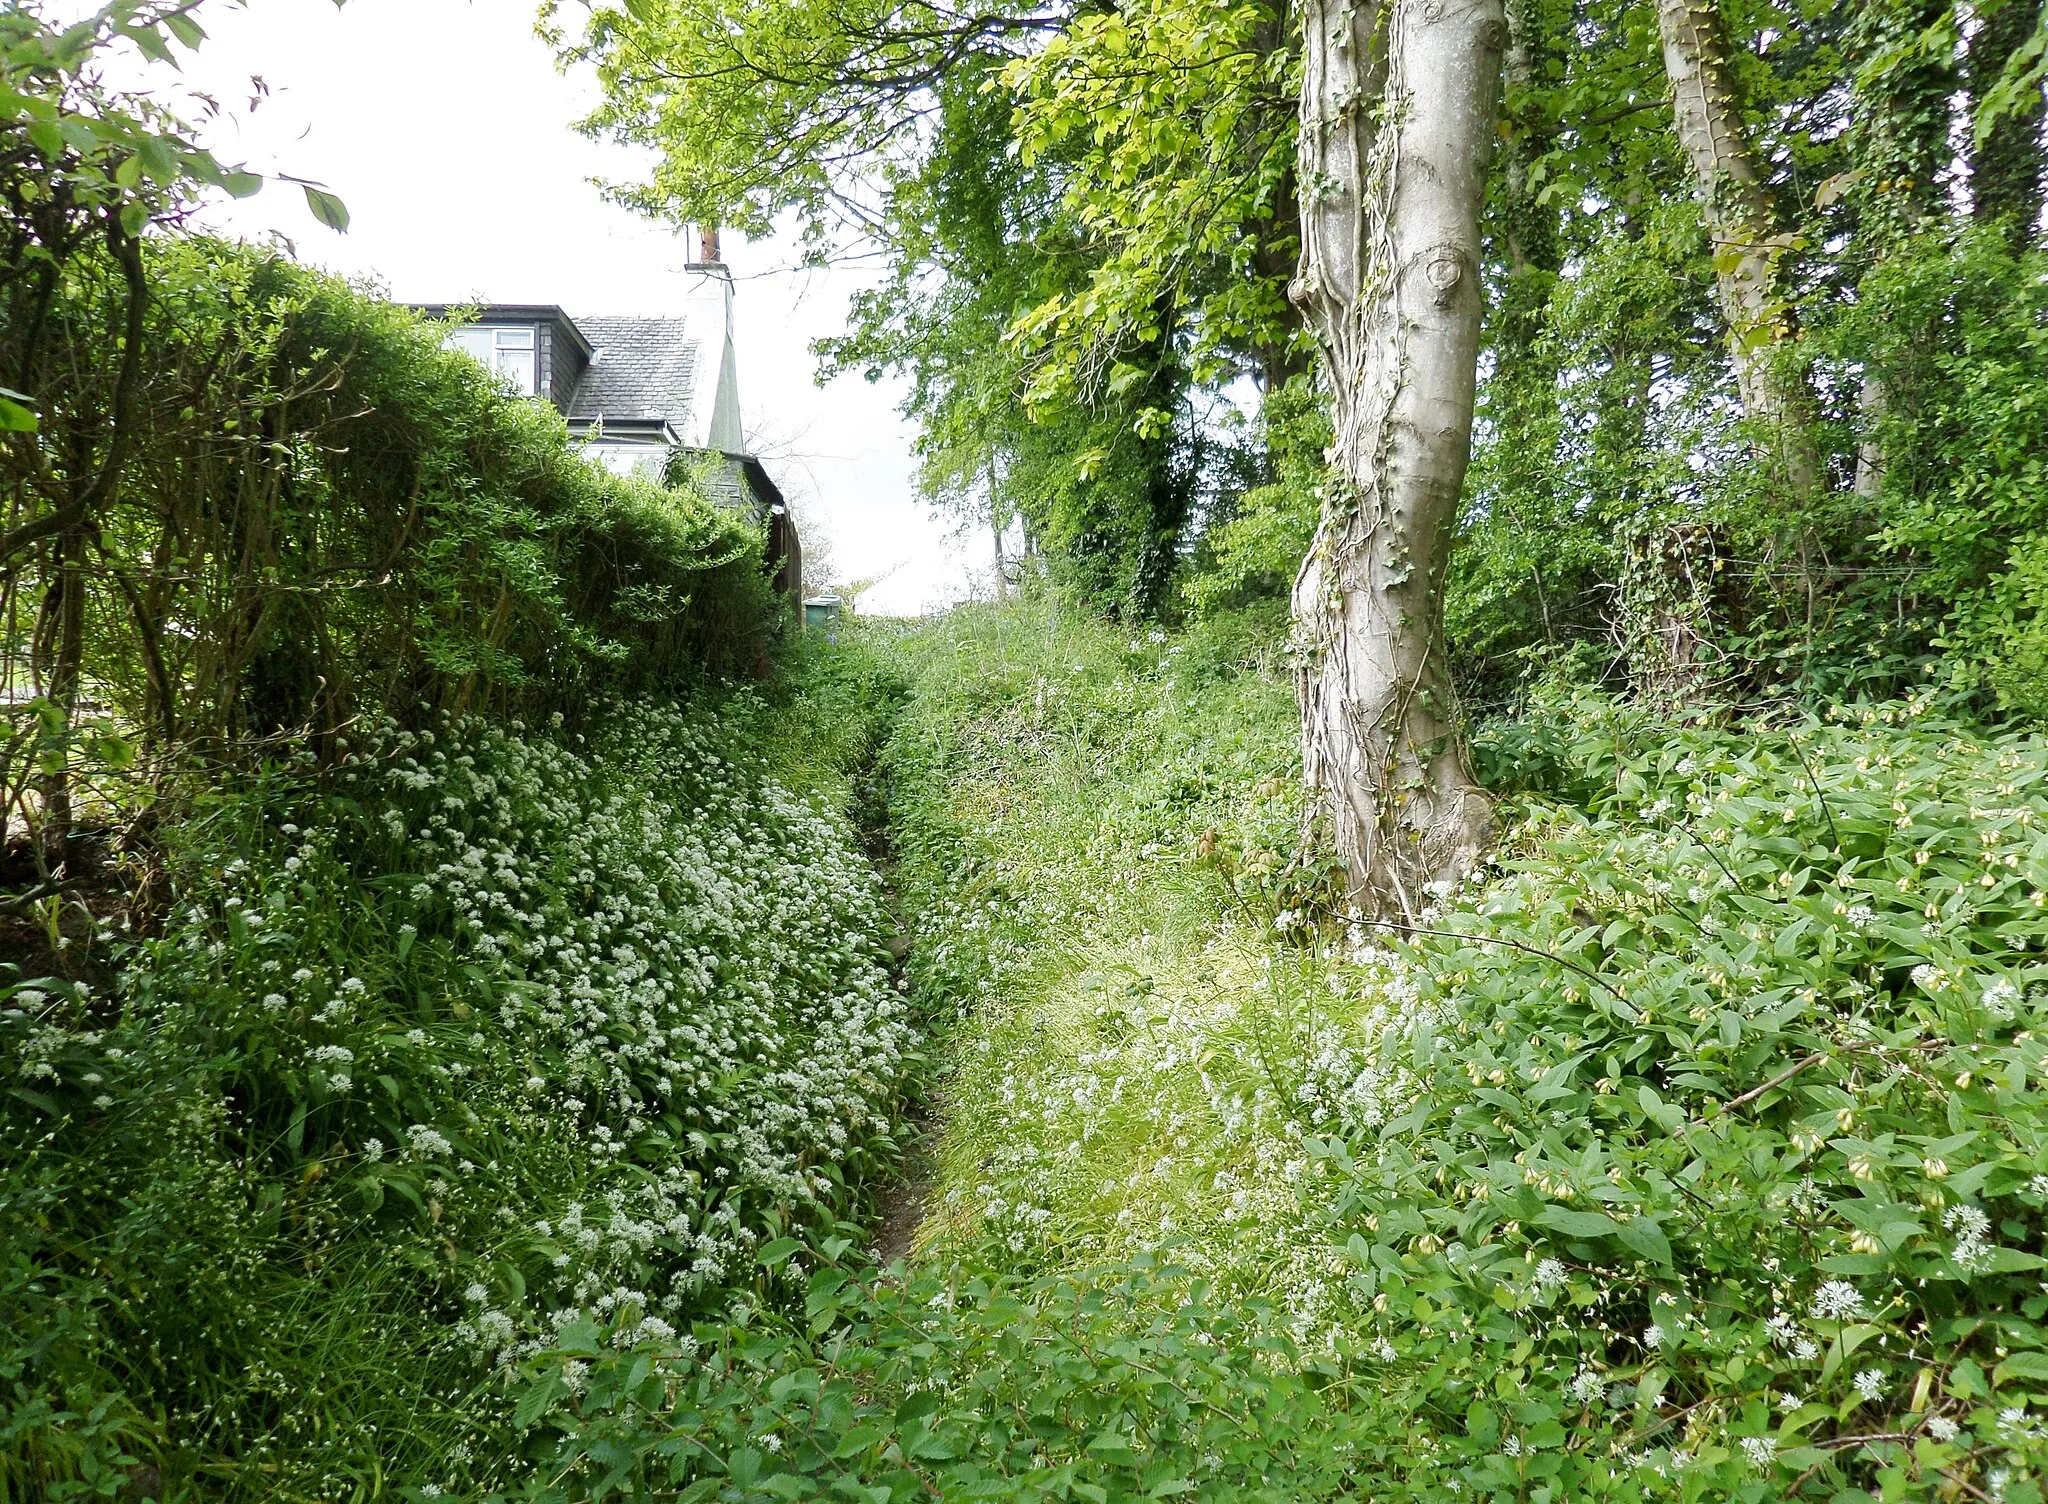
[490, 1013]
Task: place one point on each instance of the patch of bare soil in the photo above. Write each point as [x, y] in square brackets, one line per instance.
[51, 914]
[902, 1203]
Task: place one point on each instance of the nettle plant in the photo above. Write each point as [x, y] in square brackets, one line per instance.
[1729, 1177]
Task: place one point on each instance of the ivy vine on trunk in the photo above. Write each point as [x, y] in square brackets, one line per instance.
[1399, 104]
[1742, 221]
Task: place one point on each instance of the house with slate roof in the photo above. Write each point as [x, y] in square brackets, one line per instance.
[629, 388]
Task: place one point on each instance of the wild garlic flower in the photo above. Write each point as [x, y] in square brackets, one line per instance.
[2001, 999]
[427, 1142]
[1869, 1385]
[1838, 1300]
[1973, 1249]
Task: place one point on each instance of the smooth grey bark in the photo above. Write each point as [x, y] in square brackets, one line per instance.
[1872, 402]
[1742, 225]
[1399, 103]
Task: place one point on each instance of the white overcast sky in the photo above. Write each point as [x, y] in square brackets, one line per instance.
[445, 127]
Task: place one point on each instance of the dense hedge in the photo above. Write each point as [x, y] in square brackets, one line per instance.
[321, 514]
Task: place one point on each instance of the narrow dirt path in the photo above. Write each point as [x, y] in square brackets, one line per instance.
[902, 1203]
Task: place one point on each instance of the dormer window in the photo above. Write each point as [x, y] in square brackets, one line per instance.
[507, 349]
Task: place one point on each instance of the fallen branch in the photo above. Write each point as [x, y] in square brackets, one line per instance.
[1756, 1091]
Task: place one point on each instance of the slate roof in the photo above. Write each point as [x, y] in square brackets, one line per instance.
[643, 368]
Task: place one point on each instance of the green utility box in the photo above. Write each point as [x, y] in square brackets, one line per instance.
[821, 614]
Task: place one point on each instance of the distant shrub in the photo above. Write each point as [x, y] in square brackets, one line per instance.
[1958, 330]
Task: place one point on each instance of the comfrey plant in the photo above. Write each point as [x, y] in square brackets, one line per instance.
[548, 1028]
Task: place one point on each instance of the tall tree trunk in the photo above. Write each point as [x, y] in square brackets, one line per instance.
[2006, 167]
[1168, 497]
[1873, 402]
[61, 687]
[1398, 107]
[995, 523]
[1900, 120]
[1529, 236]
[1742, 223]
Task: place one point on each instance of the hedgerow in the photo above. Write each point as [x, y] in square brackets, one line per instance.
[323, 515]
[488, 1032]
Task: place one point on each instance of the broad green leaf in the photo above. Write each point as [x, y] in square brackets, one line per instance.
[2022, 1366]
[1647, 1238]
[1574, 1224]
[327, 208]
[538, 1398]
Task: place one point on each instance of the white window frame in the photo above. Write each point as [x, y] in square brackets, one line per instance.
[509, 351]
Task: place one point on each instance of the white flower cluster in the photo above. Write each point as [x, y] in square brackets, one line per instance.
[1973, 1250]
[1838, 1300]
[686, 1025]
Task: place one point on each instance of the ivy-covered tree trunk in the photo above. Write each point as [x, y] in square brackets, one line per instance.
[1398, 109]
[1904, 77]
[1742, 224]
[2006, 166]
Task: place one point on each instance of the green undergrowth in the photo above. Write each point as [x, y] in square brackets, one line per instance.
[1692, 1151]
[1695, 1153]
[484, 1032]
